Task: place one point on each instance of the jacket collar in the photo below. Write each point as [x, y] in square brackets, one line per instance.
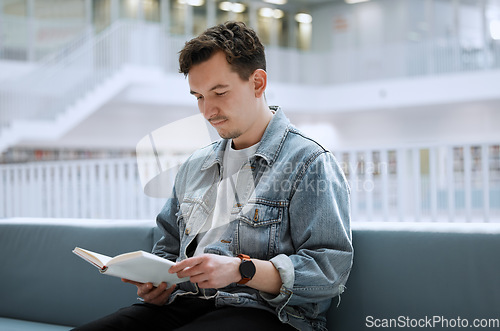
[270, 143]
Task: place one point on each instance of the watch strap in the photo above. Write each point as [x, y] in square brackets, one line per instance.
[244, 280]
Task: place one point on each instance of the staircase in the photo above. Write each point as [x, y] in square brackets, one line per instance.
[52, 99]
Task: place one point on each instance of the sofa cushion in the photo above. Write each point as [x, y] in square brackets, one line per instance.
[42, 280]
[9, 324]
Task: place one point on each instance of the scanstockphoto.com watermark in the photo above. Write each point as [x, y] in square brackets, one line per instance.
[431, 322]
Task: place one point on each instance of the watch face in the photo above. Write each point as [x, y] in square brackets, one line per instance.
[247, 269]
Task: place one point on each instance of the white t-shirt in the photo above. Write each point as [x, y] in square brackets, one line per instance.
[219, 219]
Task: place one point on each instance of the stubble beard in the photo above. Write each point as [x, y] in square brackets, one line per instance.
[230, 135]
[222, 133]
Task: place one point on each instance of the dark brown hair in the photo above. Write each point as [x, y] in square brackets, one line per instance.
[243, 49]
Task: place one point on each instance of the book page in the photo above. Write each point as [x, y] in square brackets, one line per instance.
[143, 267]
[98, 260]
[126, 256]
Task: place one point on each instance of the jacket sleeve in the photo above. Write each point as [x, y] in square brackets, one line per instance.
[169, 244]
[319, 216]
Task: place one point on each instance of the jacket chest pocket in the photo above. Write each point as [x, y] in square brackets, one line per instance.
[191, 217]
[259, 228]
[183, 214]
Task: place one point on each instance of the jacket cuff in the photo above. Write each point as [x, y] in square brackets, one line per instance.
[285, 267]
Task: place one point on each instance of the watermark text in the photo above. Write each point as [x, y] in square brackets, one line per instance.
[431, 322]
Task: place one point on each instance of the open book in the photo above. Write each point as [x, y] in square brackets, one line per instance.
[138, 266]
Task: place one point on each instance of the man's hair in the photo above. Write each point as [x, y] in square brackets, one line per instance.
[241, 45]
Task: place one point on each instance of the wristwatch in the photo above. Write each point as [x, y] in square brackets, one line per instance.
[247, 269]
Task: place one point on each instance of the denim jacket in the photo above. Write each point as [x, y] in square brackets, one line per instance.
[295, 214]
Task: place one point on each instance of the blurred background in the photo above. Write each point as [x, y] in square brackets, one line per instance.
[405, 93]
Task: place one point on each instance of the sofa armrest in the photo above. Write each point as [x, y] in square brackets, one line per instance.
[420, 270]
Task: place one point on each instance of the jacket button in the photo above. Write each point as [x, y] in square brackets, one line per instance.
[187, 231]
[256, 215]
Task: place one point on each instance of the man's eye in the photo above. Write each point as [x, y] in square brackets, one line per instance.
[221, 94]
[199, 97]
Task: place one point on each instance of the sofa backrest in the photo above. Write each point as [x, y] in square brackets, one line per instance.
[42, 280]
[405, 272]
[408, 273]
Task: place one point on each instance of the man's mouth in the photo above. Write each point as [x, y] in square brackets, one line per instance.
[217, 121]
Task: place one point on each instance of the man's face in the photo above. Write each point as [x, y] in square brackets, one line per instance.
[224, 99]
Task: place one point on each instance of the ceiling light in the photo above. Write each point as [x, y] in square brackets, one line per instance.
[269, 12]
[303, 18]
[194, 3]
[278, 13]
[232, 6]
[238, 7]
[225, 6]
[266, 12]
[355, 1]
[276, 2]
[495, 30]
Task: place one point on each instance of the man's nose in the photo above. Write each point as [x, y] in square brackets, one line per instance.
[208, 109]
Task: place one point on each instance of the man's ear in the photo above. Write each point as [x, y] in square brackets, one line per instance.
[260, 82]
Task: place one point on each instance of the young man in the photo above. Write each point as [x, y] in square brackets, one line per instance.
[259, 221]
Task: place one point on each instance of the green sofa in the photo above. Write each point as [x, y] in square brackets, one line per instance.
[403, 273]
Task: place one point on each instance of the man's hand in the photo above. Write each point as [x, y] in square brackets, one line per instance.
[154, 295]
[209, 270]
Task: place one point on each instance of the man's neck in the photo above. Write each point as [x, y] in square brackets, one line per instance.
[265, 116]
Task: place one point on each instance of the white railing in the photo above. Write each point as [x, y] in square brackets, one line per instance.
[398, 60]
[424, 183]
[75, 189]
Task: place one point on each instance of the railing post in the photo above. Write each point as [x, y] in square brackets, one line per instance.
[84, 191]
[23, 173]
[112, 189]
[433, 182]
[65, 189]
[384, 174]
[16, 203]
[2, 192]
[402, 184]
[10, 196]
[417, 183]
[450, 178]
[130, 190]
[57, 191]
[74, 212]
[101, 195]
[368, 185]
[120, 185]
[353, 166]
[91, 189]
[485, 175]
[468, 182]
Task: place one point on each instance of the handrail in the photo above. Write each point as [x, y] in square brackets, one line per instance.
[59, 81]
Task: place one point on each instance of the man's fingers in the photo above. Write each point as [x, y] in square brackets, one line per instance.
[131, 282]
[144, 289]
[185, 264]
[159, 295]
[191, 272]
[151, 294]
